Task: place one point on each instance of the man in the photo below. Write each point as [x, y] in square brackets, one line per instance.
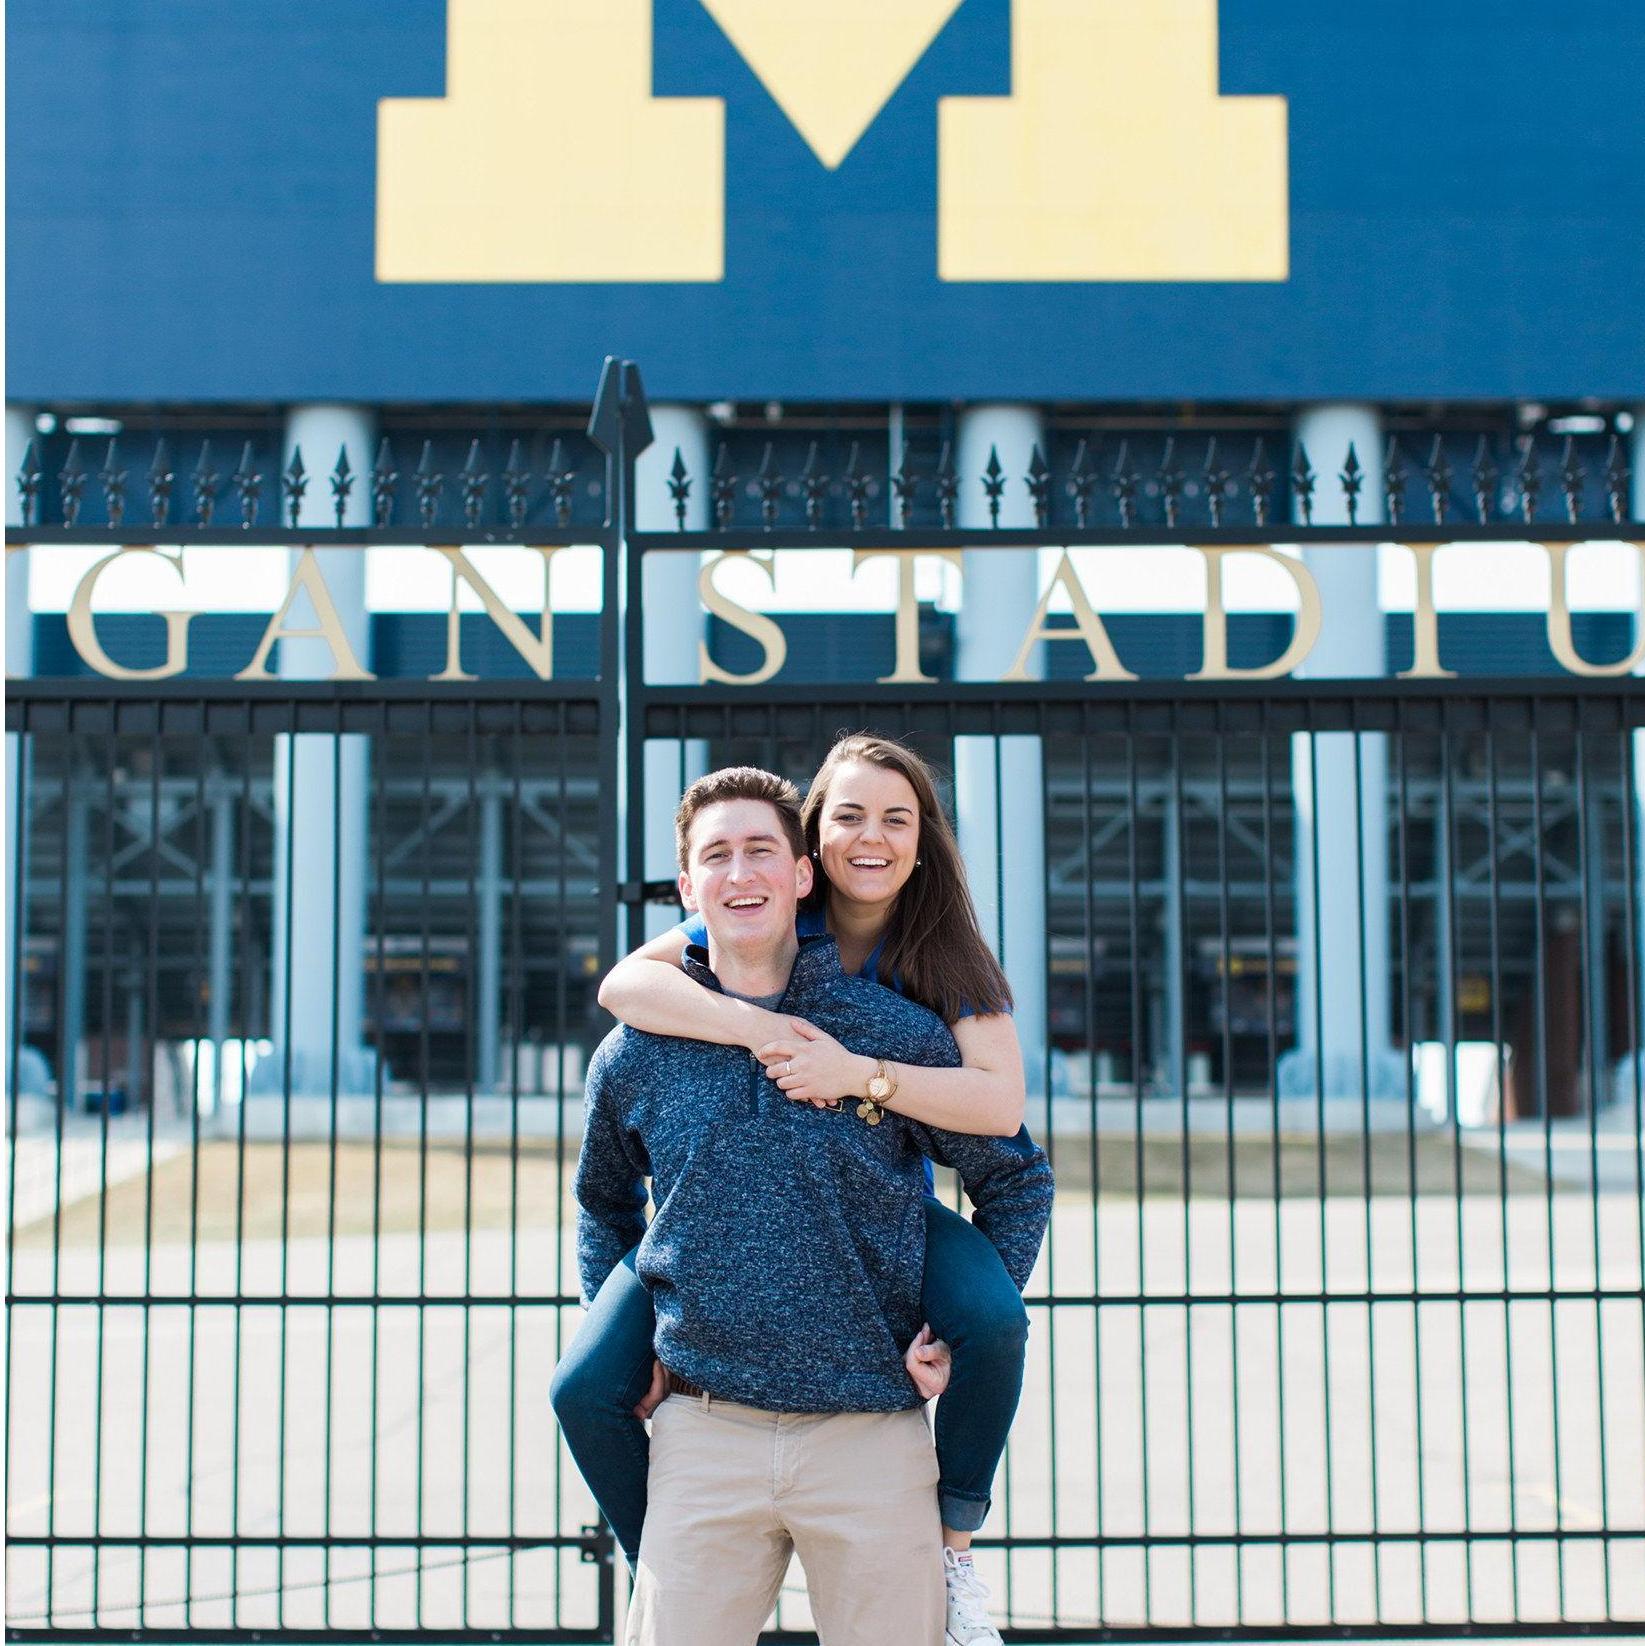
[784, 1260]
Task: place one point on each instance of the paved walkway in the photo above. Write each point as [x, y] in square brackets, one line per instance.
[1140, 1419]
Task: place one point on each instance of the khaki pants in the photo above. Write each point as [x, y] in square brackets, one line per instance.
[734, 1491]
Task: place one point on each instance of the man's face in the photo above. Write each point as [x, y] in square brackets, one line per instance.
[743, 877]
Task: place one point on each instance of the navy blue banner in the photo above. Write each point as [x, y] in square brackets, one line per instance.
[476, 200]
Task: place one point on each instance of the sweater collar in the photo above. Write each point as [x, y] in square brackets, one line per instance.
[817, 964]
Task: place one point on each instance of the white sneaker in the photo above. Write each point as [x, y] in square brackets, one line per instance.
[968, 1621]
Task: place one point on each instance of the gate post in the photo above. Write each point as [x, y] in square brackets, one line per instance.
[668, 591]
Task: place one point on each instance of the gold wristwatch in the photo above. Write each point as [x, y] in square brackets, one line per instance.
[882, 1087]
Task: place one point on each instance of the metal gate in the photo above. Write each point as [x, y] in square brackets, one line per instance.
[1319, 1346]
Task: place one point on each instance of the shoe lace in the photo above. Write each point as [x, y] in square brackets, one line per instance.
[969, 1594]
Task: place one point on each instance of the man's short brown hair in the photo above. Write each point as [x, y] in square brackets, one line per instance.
[740, 783]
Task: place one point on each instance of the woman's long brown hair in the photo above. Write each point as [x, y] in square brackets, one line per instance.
[933, 947]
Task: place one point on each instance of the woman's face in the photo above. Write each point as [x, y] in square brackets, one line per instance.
[868, 833]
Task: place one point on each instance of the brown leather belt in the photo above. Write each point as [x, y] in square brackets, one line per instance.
[677, 1385]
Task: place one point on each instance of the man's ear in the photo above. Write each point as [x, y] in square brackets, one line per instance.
[802, 876]
[687, 896]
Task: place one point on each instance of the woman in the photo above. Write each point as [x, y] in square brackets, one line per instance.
[891, 891]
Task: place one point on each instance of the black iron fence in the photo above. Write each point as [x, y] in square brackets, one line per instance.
[1332, 996]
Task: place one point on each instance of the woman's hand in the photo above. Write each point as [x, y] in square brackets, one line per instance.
[656, 1394]
[764, 1027]
[813, 1067]
[929, 1363]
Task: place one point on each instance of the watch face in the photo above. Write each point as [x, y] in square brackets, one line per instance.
[879, 1087]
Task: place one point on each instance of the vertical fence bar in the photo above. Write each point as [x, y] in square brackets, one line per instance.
[1225, 933]
[287, 871]
[1322, 1181]
[378, 778]
[516, 1034]
[1407, 941]
[471, 925]
[1138, 975]
[246, 1032]
[204, 1016]
[1177, 950]
[1500, 1045]
[424, 1054]
[1545, 1093]
[151, 1044]
[1361, 939]
[1088, 950]
[1050, 1145]
[19, 824]
[1586, 827]
[1271, 1007]
[1452, 985]
[105, 1106]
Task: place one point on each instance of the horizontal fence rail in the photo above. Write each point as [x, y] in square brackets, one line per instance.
[1330, 993]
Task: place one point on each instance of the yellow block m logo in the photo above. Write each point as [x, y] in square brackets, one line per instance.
[1115, 157]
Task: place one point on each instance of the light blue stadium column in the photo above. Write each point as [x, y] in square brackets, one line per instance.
[1343, 993]
[674, 625]
[19, 665]
[322, 800]
[1631, 1077]
[999, 788]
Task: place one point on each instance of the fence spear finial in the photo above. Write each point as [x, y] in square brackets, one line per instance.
[161, 480]
[1393, 482]
[342, 484]
[814, 487]
[516, 485]
[1039, 485]
[1124, 485]
[293, 483]
[248, 482]
[1353, 479]
[71, 484]
[113, 479]
[474, 483]
[993, 485]
[1260, 478]
[1572, 477]
[28, 483]
[1082, 480]
[1216, 482]
[1616, 480]
[384, 478]
[856, 488]
[1438, 472]
[1302, 483]
[1485, 479]
[679, 488]
[205, 482]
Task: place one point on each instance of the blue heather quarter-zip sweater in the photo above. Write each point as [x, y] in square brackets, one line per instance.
[787, 1248]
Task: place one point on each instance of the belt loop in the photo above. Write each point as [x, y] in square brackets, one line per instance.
[708, 1401]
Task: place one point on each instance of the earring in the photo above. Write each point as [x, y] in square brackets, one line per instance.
[918, 861]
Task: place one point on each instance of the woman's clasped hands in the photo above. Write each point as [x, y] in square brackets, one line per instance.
[811, 1066]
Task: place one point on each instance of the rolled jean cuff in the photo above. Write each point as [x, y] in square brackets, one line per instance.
[960, 1511]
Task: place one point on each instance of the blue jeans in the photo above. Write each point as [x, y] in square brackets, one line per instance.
[969, 1299]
